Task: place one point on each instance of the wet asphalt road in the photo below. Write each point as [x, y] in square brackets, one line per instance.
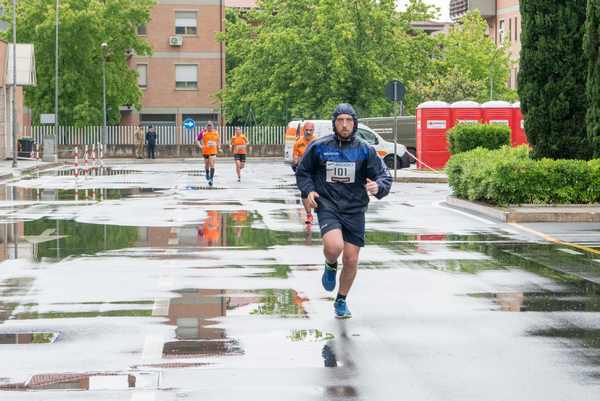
[140, 283]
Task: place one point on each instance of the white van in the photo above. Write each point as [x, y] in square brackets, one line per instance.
[384, 149]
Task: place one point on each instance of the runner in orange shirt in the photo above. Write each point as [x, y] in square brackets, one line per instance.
[299, 149]
[211, 145]
[239, 145]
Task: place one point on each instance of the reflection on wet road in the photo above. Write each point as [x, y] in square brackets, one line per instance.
[136, 282]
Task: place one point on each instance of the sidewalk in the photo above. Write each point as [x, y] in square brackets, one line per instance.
[23, 167]
[530, 213]
[413, 175]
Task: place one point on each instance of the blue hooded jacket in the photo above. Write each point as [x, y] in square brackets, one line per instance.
[337, 169]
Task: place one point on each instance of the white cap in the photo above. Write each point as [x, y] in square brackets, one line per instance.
[496, 103]
[433, 105]
[465, 104]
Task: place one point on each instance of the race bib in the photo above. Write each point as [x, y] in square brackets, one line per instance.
[211, 144]
[342, 172]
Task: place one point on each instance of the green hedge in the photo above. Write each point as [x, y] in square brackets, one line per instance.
[465, 137]
[508, 176]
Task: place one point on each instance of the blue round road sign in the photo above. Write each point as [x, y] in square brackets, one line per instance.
[189, 123]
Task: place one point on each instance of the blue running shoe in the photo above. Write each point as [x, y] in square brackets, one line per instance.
[328, 279]
[210, 183]
[341, 309]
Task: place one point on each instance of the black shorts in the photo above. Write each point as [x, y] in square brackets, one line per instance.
[240, 157]
[209, 156]
[351, 224]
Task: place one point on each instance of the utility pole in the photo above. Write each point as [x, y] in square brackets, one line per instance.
[104, 46]
[14, 86]
[56, 134]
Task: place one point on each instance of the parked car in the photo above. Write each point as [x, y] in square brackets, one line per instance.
[407, 130]
[384, 149]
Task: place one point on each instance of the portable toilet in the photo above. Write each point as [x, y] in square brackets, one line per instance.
[498, 112]
[433, 121]
[518, 136]
[466, 112]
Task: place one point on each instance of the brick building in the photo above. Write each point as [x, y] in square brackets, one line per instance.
[187, 68]
[504, 23]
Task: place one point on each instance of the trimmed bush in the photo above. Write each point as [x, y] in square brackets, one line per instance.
[465, 137]
[508, 176]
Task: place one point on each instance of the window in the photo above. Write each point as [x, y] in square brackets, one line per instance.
[185, 22]
[516, 29]
[142, 70]
[367, 136]
[141, 30]
[510, 29]
[158, 119]
[186, 76]
[501, 31]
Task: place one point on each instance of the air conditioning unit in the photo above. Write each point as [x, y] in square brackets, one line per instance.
[176, 40]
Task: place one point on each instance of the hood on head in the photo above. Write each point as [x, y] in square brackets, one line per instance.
[345, 108]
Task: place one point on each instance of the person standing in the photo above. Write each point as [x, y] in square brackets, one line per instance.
[239, 148]
[211, 144]
[151, 139]
[336, 175]
[139, 142]
[299, 149]
[199, 139]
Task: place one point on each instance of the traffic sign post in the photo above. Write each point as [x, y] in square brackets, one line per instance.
[189, 123]
[395, 91]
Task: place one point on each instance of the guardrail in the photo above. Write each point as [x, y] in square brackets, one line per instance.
[166, 135]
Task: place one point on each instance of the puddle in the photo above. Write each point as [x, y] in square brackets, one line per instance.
[201, 348]
[86, 382]
[282, 303]
[582, 344]
[57, 239]
[312, 335]
[83, 314]
[587, 338]
[28, 338]
[544, 301]
[341, 392]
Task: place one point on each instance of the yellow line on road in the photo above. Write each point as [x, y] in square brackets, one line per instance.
[556, 240]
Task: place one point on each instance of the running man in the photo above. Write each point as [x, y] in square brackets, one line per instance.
[299, 149]
[336, 175]
[239, 145]
[211, 145]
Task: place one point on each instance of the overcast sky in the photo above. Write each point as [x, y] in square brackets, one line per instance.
[442, 4]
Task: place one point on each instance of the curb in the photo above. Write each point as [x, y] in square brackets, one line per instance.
[530, 213]
[29, 170]
[422, 180]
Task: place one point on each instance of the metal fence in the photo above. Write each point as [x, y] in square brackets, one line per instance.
[167, 135]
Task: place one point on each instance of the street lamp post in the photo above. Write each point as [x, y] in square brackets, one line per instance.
[104, 46]
[56, 134]
[14, 86]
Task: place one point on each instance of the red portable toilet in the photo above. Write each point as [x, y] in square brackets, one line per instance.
[518, 136]
[466, 112]
[433, 121]
[498, 112]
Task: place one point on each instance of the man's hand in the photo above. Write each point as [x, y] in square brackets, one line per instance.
[371, 187]
[312, 199]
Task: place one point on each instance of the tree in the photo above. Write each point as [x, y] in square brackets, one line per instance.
[298, 58]
[469, 66]
[84, 25]
[591, 47]
[552, 78]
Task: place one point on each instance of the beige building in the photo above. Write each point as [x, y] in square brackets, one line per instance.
[504, 23]
[181, 78]
[25, 77]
